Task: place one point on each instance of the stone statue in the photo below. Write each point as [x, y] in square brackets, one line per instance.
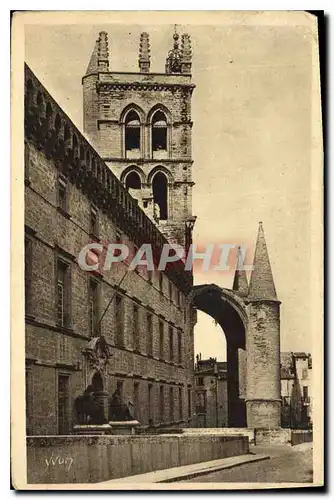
[118, 410]
[87, 409]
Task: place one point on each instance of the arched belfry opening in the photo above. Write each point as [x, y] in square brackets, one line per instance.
[132, 180]
[159, 134]
[132, 134]
[160, 194]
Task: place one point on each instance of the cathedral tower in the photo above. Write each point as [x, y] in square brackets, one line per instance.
[140, 124]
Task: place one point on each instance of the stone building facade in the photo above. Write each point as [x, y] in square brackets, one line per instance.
[296, 389]
[144, 343]
[211, 395]
[140, 124]
[211, 391]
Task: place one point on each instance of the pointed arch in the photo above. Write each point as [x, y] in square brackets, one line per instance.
[162, 108]
[132, 107]
[132, 126]
[160, 131]
[133, 168]
[164, 170]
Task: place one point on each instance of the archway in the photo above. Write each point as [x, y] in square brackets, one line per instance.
[250, 317]
[228, 310]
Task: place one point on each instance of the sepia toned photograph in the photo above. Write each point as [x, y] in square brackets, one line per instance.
[167, 198]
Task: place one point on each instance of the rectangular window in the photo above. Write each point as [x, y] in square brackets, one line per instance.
[63, 293]
[119, 313]
[94, 226]
[118, 239]
[171, 344]
[161, 403]
[199, 380]
[94, 289]
[189, 403]
[304, 373]
[63, 404]
[28, 400]
[62, 194]
[305, 393]
[150, 415]
[171, 404]
[180, 404]
[135, 324]
[161, 339]
[136, 400]
[27, 273]
[170, 290]
[149, 334]
[26, 162]
[179, 346]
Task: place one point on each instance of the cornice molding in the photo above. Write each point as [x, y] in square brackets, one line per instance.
[141, 161]
[106, 86]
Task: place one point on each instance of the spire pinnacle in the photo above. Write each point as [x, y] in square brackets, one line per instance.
[173, 61]
[144, 53]
[186, 53]
[240, 282]
[99, 60]
[262, 284]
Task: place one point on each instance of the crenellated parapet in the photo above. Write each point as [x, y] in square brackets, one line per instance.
[51, 131]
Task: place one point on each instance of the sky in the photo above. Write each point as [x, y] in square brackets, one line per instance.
[251, 142]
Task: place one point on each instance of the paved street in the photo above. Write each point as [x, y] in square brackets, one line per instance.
[288, 464]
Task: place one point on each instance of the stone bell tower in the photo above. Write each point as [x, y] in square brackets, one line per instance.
[140, 124]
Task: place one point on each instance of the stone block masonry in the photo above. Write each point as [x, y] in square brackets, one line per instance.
[91, 459]
[148, 329]
[121, 106]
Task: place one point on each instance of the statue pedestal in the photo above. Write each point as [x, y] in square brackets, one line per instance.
[123, 427]
[101, 398]
[92, 429]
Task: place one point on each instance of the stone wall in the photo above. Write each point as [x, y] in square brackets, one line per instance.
[90, 459]
[272, 436]
[301, 436]
[54, 351]
[226, 431]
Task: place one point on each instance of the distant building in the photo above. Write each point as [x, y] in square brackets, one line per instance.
[296, 374]
[211, 394]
